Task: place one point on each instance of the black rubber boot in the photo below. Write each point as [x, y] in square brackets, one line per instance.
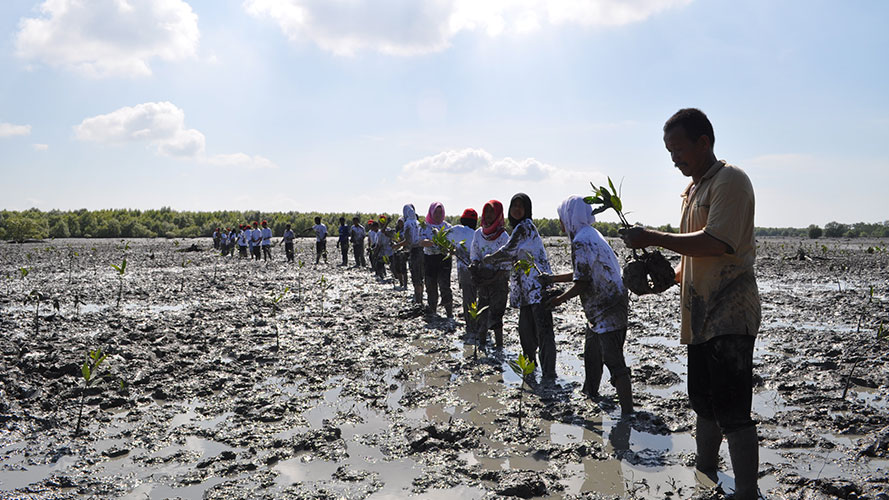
[743, 446]
[624, 394]
[708, 437]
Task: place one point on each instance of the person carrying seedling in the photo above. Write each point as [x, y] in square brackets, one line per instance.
[266, 234]
[719, 298]
[411, 241]
[356, 234]
[604, 299]
[342, 241]
[255, 241]
[243, 239]
[289, 235]
[436, 265]
[320, 240]
[461, 237]
[492, 281]
[525, 251]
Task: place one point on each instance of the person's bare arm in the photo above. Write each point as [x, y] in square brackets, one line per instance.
[569, 294]
[696, 244]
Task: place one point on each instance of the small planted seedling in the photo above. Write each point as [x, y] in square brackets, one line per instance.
[24, 272]
[275, 300]
[299, 281]
[121, 269]
[322, 287]
[71, 256]
[474, 313]
[525, 265]
[89, 372]
[36, 297]
[522, 367]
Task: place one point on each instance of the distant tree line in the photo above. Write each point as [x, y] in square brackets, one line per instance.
[168, 223]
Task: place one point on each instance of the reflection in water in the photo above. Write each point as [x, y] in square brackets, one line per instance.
[605, 476]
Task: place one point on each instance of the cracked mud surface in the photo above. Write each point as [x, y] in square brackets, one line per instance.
[346, 391]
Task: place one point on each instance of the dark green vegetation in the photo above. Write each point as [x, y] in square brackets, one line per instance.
[122, 223]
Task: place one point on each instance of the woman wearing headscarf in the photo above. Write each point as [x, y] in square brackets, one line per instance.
[436, 266]
[492, 280]
[604, 299]
[525, 290]
[411, 240]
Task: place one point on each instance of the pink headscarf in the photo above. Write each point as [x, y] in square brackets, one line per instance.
[430, 215]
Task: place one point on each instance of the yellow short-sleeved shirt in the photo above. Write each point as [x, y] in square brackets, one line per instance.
[719, 294]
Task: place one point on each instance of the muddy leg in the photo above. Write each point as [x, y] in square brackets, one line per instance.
[592, 364]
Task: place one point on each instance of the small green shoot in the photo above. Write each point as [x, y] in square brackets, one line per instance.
[474, 312]
[607, 199]
[24, 272]
[522, 367]
[274, 300]
[525, 265]
[121, 269]
[322, 283]
[36, 297]
[89, 372]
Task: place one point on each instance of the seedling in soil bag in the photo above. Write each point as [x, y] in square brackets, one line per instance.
[646, 273]
[121, 269]
[522, 367]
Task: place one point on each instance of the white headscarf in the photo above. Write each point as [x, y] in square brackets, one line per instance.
[575, 214]
[409, 212]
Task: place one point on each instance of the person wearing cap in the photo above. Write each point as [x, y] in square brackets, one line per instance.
[320, 230]
[720, 307]
[243, 238]
[288, 238]
[255, 241]
[436, 267]
[461, 236]
[411, 242]
[266, 234]
[356, 235]
[526, 292]
[342, 241]
[596, 278]
[492, 281]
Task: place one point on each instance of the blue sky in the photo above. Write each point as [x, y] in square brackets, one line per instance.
[349, 105]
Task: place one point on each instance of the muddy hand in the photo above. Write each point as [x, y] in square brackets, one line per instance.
[545, 279]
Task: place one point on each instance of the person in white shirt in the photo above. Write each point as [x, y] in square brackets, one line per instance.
[289, 235]
[356, 235]
[604, 298]
[372, 230]
[411, 241]
[320, 240]
[526, 291]
[266, 235]
[255, 241]
[436, 269]
[492, 280]
[461, 237]
[243, 238]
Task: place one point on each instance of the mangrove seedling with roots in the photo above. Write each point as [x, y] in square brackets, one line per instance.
[647, 273]
[522, 367]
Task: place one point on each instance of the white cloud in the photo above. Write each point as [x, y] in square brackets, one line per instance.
[10, 130]
[482, 166]
[161, 125]
[408, 27]
[102, 38]
[40, 147]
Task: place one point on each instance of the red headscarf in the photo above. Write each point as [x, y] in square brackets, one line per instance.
[495, 229]
[431, 214]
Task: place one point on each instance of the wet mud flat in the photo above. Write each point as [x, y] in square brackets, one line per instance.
[342, 390]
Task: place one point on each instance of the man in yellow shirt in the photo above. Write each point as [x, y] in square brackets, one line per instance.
[720, 305]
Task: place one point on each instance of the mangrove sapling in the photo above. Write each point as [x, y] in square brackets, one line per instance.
[89, 372]
[121, 269]
[24, 272]
[35, 297]
[525, 265]
[274, 300]
[522, 367]
[322, 287]
[299, 282]
[71, 255]
[474, 313]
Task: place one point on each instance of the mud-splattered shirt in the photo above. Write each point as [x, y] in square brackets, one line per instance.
[411, 232]
[719, 294]
[461, 236]
[482, 246]
[605, 299]
[524, 244]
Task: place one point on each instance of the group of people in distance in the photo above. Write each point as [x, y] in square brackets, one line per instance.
[720, 306]
[253, 242]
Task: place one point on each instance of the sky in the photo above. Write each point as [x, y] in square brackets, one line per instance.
[352, 105]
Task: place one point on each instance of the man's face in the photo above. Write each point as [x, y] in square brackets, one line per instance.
[692, 158]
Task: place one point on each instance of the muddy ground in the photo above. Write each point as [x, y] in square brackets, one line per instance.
[345, 391]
